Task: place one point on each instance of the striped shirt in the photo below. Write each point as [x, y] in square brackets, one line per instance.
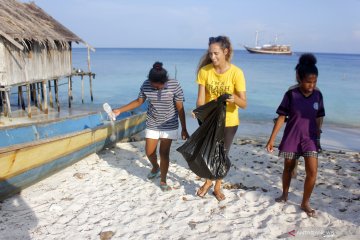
[162, 114]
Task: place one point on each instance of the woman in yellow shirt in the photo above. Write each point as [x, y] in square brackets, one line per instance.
[217, 76]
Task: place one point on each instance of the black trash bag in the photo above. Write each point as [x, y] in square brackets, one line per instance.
[204, 150]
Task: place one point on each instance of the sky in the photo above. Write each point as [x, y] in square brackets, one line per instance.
[330, 26]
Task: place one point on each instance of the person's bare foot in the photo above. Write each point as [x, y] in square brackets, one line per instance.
[308, 210]
[219, 195]
[164, 187]
[282, 199]
[202, 191]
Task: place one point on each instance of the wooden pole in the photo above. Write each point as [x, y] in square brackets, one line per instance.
[31, 91]
[90, 76]
[42, 90]
[28, 91]
[69, 91]
[21, 98]
[1, 99]
[8, 105]
[50, 95]
[33, 94]
[82, 88]
[44, 93]
[56, 83]
[71, 87]
[91, 91]
[38, 90]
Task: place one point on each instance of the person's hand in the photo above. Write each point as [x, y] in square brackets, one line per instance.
[184, 134]
[318, 144]
[193, 114]
[116, 112]
[270, 147]
[231, 98]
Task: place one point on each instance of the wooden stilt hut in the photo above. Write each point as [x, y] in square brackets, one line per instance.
[35, 54]
[35, 49]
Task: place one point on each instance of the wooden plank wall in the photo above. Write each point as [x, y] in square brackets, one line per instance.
[35, 65]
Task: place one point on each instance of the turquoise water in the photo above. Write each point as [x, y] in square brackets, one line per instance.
[120, 72]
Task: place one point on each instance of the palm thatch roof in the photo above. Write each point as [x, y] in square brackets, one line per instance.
[21, 22]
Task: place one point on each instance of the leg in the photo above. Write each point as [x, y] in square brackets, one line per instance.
[294, 172]
[165, 145]
[150, 149]
[217, 190]
[229, 134]
[202, 191]
[311, 165]
[289, 165]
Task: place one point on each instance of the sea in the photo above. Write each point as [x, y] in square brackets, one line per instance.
[121, 71]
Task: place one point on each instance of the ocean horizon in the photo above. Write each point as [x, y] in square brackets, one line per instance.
[203, 49]
[121, 71]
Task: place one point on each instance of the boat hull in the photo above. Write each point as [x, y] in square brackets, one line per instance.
[264, 51]
[27, 162]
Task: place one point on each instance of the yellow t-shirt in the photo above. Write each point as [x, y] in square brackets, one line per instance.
[217, 84]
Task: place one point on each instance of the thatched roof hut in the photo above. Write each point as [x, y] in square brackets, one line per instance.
[34, 47]
[24, 22]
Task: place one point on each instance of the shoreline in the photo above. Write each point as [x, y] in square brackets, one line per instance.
[334, 138]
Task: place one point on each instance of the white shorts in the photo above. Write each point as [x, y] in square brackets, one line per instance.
[155, 134]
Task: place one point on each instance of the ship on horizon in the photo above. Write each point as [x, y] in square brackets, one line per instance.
[278, 49]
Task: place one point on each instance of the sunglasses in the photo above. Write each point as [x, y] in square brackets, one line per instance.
[218, 39]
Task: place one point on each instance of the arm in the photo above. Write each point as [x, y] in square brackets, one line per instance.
[201, 96]
[279, 122]
[130, 106]
[239, 98]
[319, 122]
[180, 107]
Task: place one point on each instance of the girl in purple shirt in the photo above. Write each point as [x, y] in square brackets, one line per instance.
[304, 107]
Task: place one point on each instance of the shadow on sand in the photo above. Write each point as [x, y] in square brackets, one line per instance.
[16, 217]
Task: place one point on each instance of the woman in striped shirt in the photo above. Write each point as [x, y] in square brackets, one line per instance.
[165, 106]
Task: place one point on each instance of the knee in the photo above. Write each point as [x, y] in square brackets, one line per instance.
[289, 168]
[311, 173]
[164, 155]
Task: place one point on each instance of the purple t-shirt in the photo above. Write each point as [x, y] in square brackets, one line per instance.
[300, 133]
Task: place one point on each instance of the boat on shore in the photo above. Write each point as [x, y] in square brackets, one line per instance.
[277, 49]
[38, 138]
[30, 152]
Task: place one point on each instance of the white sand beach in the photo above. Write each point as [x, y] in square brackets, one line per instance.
[107, 196]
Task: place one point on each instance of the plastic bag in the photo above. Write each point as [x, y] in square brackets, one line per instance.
[204, 150]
